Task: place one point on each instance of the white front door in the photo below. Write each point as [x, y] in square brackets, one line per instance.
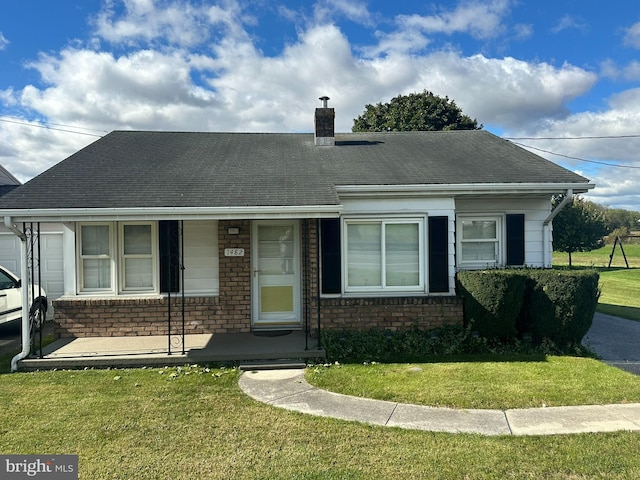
[276, 274]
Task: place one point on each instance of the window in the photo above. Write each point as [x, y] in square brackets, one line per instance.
[98, 269]
[479, 241]
[137, 258]
[96, 257]
[384, 255]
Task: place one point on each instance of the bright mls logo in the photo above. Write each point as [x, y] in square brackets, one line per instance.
[50, 467]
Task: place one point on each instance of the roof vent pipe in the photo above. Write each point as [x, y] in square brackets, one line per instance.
[324, 134]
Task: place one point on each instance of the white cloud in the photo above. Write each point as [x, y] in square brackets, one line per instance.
[479, 19]
[143, 89]
[509, 92]
[356, 11]
[179, 22]
[570, 22]
[632, 36]
[617, 187]
[3, 42]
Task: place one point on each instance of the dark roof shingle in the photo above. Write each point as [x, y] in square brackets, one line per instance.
[182, 169]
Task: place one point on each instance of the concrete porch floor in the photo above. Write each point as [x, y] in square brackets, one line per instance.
[101, 352]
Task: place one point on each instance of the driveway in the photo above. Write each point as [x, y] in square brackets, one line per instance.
[616, 341]
[9, 337]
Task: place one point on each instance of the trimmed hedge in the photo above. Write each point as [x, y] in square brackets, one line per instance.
[492, 301]
[560, 304]
[549, 304]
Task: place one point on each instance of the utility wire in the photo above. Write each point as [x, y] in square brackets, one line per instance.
[3, 119]
[587, 137]
[576, 158]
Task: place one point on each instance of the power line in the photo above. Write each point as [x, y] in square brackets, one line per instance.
[586, 137]
[575, 158]
[47, 127]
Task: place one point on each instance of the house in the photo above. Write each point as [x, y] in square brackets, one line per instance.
[247, 232]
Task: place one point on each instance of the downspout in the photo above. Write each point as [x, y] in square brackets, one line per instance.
[546, 227]
[26, 334]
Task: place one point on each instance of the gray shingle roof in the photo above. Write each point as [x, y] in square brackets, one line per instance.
[180, 169]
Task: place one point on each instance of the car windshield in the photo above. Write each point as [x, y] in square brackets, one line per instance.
[6, 281]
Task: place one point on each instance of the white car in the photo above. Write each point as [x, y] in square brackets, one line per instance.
[11, 300]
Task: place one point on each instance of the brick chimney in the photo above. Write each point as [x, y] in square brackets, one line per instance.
[324, 125]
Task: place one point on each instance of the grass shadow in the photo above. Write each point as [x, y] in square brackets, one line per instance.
[630, 313]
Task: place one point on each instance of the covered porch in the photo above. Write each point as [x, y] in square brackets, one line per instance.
[257, 348]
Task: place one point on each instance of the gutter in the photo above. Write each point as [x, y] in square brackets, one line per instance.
[24, 273]
[173, 213]
[462, 189]
[546, 227]
[568, 198]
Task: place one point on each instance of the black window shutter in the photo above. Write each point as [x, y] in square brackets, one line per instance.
[515, 239]
[438, 254]
[169, 244]
[330, 255]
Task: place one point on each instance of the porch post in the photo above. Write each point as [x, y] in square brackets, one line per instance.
[318, 278]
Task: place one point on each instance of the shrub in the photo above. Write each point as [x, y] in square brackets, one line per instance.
[417, 345]
[492, 301]
[560, 304]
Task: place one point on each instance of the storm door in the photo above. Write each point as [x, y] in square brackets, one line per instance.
[276, 274]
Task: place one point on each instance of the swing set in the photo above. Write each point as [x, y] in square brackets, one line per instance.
[617, 242]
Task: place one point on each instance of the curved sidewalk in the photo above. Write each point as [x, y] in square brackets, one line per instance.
[288, 389]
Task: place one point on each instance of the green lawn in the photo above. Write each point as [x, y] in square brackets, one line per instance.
[141, 424]
[620, 285]
[503, 383]
[195, 423]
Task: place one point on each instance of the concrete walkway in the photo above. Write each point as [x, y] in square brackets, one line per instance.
[288, 389]
[615, 340]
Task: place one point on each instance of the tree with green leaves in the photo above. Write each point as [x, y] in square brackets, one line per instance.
[579, 227]
[619, 218]
[416, 111]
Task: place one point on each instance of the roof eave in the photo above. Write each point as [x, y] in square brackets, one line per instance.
[170, 213]
[461, 190]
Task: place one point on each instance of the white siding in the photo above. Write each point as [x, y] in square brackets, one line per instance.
[427, 206]
[536, 210]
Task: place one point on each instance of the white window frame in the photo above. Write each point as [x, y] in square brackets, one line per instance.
[109, 256]
[498, 241]
[153, 257]
[116, 258]
[420, 221]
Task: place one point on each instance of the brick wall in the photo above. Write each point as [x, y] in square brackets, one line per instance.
[110, 317]
[390, 313]
[230, 312]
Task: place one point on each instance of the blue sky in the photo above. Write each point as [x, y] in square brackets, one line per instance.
[557, 71]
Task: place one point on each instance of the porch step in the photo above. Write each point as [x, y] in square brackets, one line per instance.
[272, 365]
